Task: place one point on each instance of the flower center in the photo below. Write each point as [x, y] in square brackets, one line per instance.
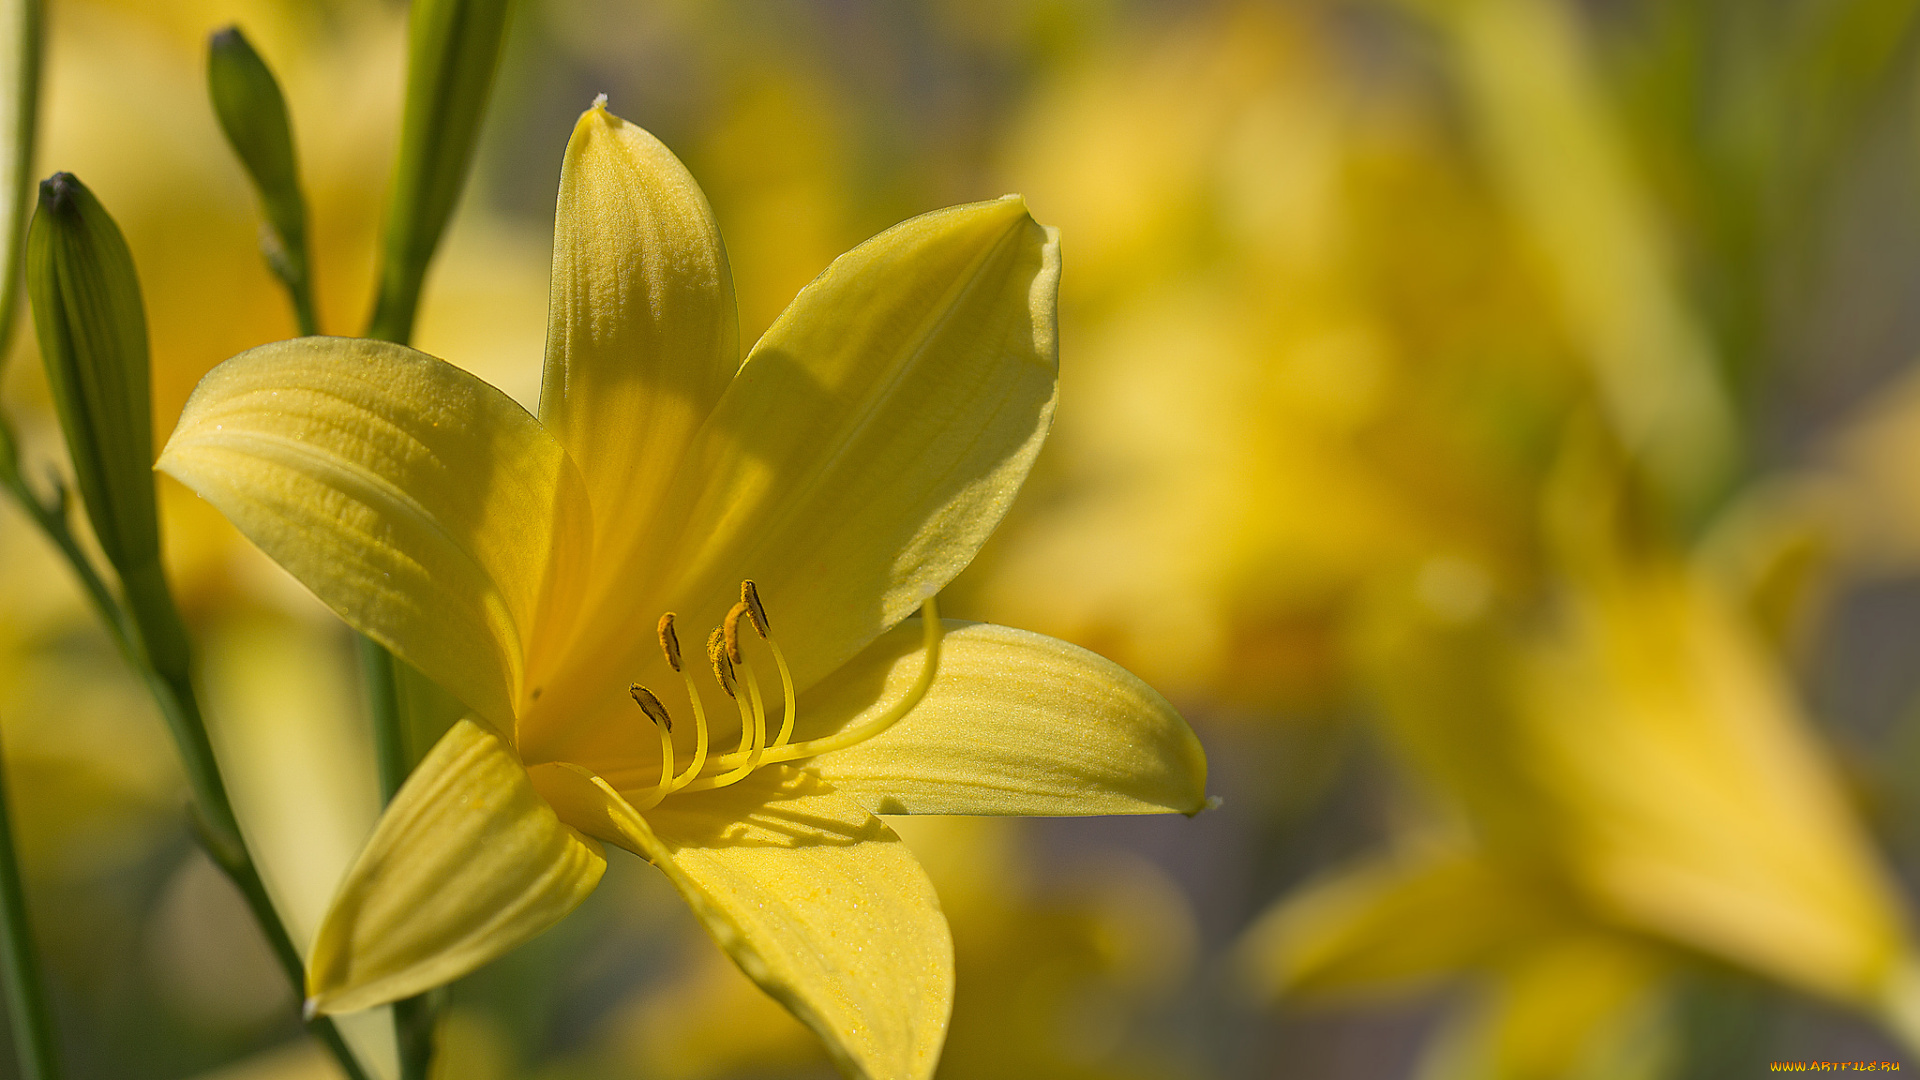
[735, 673]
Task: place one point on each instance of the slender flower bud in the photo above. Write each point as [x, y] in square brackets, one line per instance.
[93, 338]
[253, 113]
[453, 50]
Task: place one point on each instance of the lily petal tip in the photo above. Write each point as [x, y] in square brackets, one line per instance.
[1211, 802]
[310, 1009]
[600, 102]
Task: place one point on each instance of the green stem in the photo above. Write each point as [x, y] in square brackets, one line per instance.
[152, 640]
[52, 522]
[29, 26]
[413, 1017]
[383, 708]
[304, 314]
[453, 52]
[164, 638]
[31, 1013]
[413, 1023]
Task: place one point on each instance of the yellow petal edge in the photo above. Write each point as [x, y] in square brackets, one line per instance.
[814, 898]
[1015, 723]
[467, 863]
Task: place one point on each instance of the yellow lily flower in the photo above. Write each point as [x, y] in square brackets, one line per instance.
[1635, 787]
[850, 467]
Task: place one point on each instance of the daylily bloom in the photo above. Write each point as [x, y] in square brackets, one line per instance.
[802, 505]
[1634, 788]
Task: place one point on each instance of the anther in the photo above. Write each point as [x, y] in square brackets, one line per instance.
[730, 630]
[669, 641]
[750, 596]
[650, 705]
[722, 663]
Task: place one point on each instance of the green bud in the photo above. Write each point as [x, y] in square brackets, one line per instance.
[93, 339]
[453, 50]
[253, 113]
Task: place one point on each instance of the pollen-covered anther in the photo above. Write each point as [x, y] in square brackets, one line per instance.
[730, 630]
[750, 596]
[669, 641]
[718, 655]
[651, 705]
[662, 725]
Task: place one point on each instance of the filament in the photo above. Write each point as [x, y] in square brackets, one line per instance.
[699, 734]
[753, 736]
[786, 694]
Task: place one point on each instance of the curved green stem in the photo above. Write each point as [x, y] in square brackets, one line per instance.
[152, 640]
[34, 1038]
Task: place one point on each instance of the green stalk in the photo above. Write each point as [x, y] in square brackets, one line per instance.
[413, 1018]
[158, 623]
[453, 52]
[91, 325]
[22, 44]
[389, 727]
[34, 1040]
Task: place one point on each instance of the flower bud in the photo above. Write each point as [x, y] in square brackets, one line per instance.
[453, 50]
[93, 339]
[253, 113]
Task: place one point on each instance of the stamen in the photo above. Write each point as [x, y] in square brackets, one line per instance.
[657, 713]
[729, 663]
[759, 716]
[699, 734]
[650, 705]
[756, 611]
[730, 630]
[669, 641]
[722, 664]
[750, 596]
[786, 694]
[753, 736]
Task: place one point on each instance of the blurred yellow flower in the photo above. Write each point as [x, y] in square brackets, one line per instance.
[1310, 352]
[1630, 784]
[852, 466]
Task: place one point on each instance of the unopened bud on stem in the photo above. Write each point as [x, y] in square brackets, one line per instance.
[92, 328]
[253, 113]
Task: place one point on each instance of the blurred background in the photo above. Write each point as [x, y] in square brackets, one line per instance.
[1492, 422]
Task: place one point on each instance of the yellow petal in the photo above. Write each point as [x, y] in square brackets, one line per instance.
[1570, 1002]
[467, 863]
[816, 900]
[872, 441]
[424, 506]
[642, 336]
[1393, 925]
[1015, 723]
[1697, 804]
